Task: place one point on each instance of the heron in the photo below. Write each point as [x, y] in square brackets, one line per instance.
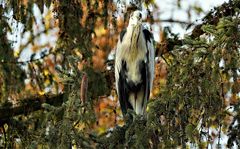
[134, 65]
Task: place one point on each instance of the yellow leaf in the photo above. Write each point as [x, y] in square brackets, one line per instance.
[47, 82]
[16, 53]
[100, 31]
[41, 92]
[148, 2]
[147, 109]
[46, 72]
[101, 130]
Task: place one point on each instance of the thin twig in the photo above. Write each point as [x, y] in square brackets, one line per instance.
[173, 21]
[84, 87]
[31, 60]
[5, 136]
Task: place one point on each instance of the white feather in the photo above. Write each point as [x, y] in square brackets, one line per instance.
[133, 52]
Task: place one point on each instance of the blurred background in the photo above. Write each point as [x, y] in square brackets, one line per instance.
[47, 48]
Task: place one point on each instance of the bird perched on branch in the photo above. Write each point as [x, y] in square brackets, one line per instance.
[134, 65]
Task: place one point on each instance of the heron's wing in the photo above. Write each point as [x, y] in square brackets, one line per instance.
[150, 55]
[120, 76]
[118, 58]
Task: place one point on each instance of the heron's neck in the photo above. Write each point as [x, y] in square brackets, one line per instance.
[134, 32]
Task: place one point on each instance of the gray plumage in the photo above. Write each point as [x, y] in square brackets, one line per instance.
[134, 65]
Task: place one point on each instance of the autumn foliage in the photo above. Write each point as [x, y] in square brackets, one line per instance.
[57, 87]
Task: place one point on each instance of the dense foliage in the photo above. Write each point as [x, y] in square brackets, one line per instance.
[63, 96]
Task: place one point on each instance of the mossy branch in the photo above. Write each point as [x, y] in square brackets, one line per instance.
[28, 105]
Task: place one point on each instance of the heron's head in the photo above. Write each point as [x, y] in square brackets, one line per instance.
[135, 18]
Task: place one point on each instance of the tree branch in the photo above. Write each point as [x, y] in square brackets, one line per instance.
[43, 55]
[226, 9]
[28, 105]
[173, 21]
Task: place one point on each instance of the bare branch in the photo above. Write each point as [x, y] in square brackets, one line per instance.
[29, 105]
[172, 21]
